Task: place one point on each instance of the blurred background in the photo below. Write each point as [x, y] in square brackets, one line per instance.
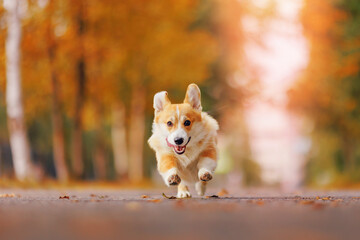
[77, 80]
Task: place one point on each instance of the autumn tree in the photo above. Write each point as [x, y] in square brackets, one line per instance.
[40, 48]
[327, 93]
[15, 113]
[77, 146]
[56, 109]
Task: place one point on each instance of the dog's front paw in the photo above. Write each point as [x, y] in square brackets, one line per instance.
[204, 175]
[174, 180]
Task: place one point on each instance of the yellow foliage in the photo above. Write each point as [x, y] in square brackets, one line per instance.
[140, 42]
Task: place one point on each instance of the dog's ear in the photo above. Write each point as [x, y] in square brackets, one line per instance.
[193, 96]
[160, 101]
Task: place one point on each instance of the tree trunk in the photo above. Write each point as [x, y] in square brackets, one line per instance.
[57, 126]
[137, 132]
[100, 158]
[62, 172]
[17, 131]
[118, 135]
[77, 156]
[348, 153]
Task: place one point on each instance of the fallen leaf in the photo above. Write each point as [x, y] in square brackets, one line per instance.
[171, 197]
[144, 196]
[64, 197]
[338, 200]
[260, 202]
[223, 192]
[6, 195]
[93, 195]
[155, 200]
[212, 196]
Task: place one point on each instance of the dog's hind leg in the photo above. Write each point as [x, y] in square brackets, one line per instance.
[183, 191]
[200, 188]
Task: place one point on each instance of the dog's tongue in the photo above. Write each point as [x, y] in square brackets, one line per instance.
[179, 148]
[169, 145]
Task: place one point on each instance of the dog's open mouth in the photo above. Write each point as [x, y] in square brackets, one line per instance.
[178, 149]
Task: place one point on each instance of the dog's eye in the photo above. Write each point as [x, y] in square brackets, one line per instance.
[169, 123]
[187, 123]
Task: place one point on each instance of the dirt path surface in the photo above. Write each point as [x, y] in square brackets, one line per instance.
[120, 214]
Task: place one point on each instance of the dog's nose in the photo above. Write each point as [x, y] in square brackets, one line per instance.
[178, 141]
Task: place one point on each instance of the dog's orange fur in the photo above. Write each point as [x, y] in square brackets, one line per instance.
[209, 152]
[167, 162]
[185, 109]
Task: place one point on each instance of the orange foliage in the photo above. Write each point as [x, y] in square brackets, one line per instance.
[327, 93]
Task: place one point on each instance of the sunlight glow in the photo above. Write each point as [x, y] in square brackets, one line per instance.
[273, 132]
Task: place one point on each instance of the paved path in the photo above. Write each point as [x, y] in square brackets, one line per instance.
[122, 214]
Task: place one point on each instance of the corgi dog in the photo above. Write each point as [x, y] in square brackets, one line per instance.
[184, 140]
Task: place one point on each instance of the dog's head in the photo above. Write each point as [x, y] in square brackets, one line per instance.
[178, 124]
